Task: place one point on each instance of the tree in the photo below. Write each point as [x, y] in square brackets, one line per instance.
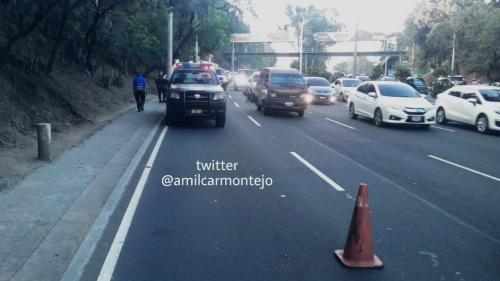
[315, 21]
[376, 72]
[25, 17]
[402, 72]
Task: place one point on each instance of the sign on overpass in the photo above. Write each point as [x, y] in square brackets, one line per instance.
[271, 37]
[332, 36]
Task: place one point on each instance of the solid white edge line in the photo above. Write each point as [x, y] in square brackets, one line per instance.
[444, 129]
[81, 258]
[465, 168]
[254, 121]
[236, 104]
[109, 264]
[341, 124]
[317, 172]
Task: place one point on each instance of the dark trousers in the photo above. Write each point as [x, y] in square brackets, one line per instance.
[140, 99]
[162, 94]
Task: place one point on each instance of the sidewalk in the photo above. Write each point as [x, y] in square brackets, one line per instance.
[45, 218]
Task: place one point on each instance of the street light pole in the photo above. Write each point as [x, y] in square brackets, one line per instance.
[301, 43]
[170, 41]
[197, 51]
[232, 57]
[453, 54]
[355, 61]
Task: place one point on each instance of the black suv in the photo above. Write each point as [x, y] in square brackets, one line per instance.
[195, 92]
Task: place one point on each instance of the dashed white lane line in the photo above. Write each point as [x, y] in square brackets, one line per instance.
[465, 168]
[114, 252]
[254, 121]
[230, 96]
[317, 172]
[340, 123]
[236, 104]
[444, 129]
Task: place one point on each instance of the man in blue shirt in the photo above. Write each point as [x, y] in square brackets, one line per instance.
[140, 88]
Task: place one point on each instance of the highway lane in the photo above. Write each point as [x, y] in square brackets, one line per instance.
[401, 153]
[288, 231]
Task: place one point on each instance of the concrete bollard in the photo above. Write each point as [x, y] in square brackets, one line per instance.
[44, 140]
[4, 183]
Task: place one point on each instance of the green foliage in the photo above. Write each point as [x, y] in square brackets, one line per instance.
[376, 72]
[477, 28]
[131, 34]
[442, 71]
[402, 72]
[315, 20]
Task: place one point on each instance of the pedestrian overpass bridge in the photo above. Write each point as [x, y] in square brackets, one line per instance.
[318, 54]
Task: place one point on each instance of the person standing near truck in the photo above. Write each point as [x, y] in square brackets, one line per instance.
[140, 88]
[161, 86]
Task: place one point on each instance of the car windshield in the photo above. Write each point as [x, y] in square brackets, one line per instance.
[351, 83]
[220, 71]
[457, 78]
[398, 90]
[491, 95]
[419, 84]
[287, 79]
[255, 77]
[318, 82]
[194, 76]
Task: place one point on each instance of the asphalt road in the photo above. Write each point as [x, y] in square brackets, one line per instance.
[434, 201]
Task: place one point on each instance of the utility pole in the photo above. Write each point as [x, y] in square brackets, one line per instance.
[196, 51]
[232, 57]
[355, 61]
[387, 58]
[170, 41]
[301, 43]
[413, 57]
[453, 54]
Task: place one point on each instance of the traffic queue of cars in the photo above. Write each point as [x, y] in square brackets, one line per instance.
[199, 91]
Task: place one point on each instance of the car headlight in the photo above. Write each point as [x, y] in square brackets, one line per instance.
[332, 99]
[174, 95]
[219, 96]
[397, 107]
[273, 95]
[308, 98]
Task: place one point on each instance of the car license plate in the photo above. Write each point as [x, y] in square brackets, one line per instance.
[288, 103]
[416, 118]
[196, 111]
[322, 98]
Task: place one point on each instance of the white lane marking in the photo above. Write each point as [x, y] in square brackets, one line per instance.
[230, 96]
[317, 172]
[404, 190]
[254, 121]
[109, 264]
[341, 124]
[465, 168]
[444, 129]
[236, 104]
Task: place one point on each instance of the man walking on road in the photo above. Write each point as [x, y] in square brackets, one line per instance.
[140, 88]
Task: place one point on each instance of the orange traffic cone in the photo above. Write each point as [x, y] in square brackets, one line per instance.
[358, 249]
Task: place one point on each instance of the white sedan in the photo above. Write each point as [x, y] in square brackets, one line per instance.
[391, 102]
[474, 105]
[344, 86]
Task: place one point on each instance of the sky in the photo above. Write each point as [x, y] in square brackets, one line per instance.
[385, 16]
[374, 15]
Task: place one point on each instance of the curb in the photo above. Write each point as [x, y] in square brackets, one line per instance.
[84, 253]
